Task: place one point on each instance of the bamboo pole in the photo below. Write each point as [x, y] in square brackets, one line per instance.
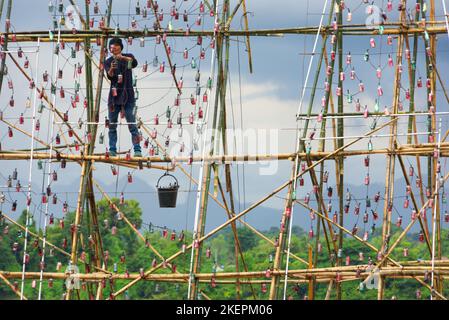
[5, 45]
[205, 183]
[305, 274]
[391, 162]
[394, 28]
[422, 150]
[340, 142]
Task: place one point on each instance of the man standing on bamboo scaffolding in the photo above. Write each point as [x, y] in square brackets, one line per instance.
[121, 98]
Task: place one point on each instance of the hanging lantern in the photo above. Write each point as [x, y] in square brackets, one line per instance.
[389, 40]
[335, 218]
[421, 236]
[399, 222]
[311, 233]
[380, 91]
[367, 179]
[268, 273]
[418, 294]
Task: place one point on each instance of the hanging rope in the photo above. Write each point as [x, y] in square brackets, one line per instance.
[30, 174]
[52, 122]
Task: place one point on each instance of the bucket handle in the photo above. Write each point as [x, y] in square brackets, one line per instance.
[167, 174]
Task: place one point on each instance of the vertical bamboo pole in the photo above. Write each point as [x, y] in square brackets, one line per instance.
[389, 178]
[248, 44]
[340, 141]
[5, 45]
[412, 72]
[437, 222]
[85, 182]
[92, 115]
[311, 266]
[323, 54]
[206, 176]
[1, 8]
[223, 127]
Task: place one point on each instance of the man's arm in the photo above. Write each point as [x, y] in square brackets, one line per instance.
[134, 63]
[129, 57]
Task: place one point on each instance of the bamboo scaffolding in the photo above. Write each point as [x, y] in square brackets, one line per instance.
[388, 268]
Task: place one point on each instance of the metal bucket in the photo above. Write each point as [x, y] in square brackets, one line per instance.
[168, 194]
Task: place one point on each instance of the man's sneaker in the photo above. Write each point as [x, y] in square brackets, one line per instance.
[112, 153]
[138, 154]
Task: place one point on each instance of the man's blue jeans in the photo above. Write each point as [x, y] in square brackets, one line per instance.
[114, 111]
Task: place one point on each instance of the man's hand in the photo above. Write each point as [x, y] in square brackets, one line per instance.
[122, 57]
[113, 67]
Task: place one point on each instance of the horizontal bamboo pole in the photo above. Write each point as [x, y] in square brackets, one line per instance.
[423, 150]
[438, 27]
[301, 274]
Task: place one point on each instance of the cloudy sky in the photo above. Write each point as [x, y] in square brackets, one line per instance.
[266, 100]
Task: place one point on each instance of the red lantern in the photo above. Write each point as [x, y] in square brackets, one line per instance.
[421, 236]
[365, 236]
[377, 197]
[310, 233]
[307, 198]
[348, 260]
[366, 161]
[268, 273]
[406, 203]
[288, 212]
